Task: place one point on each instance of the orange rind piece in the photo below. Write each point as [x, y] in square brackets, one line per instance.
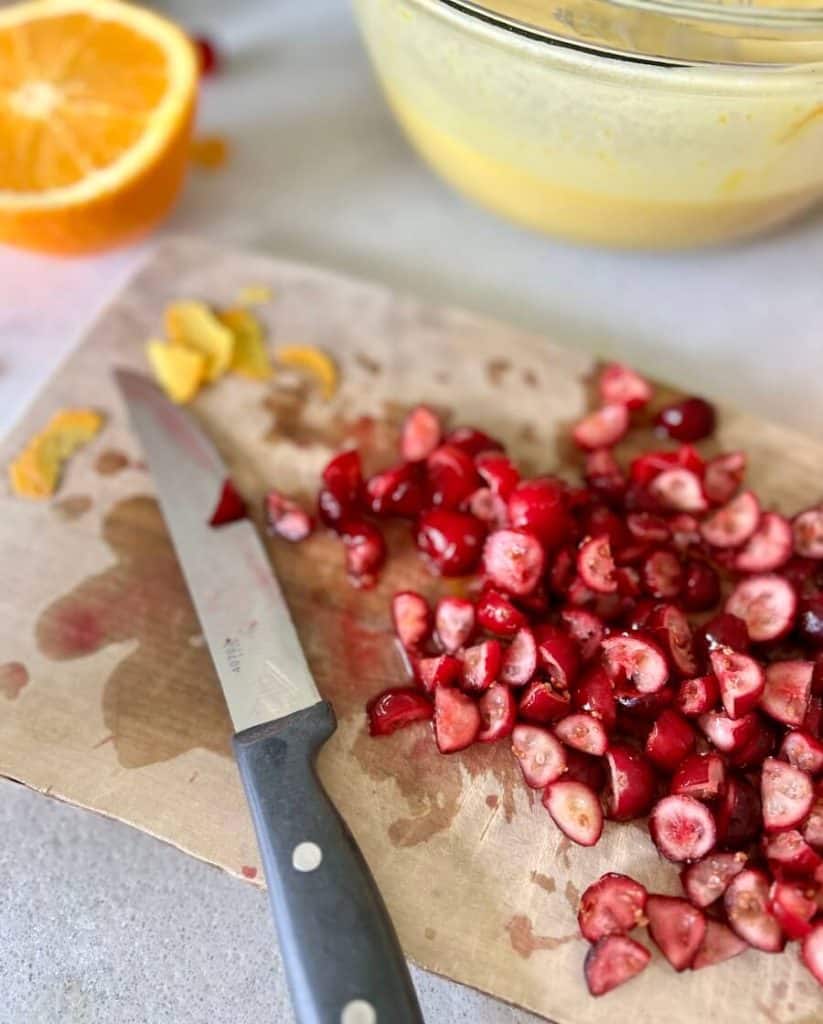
[193, 325]
[250, 356]
[312, 361]
[36, 472]
[178, 369]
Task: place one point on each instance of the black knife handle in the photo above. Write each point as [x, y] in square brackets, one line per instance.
[338, 945]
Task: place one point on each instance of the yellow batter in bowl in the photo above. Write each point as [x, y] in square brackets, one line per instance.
[643, 128]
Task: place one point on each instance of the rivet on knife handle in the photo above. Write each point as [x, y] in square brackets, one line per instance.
[343, 962]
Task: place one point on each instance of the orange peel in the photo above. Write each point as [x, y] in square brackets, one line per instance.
[178, 369]
[195, 326]
[312, 361]
[250, 356]
[36, 472]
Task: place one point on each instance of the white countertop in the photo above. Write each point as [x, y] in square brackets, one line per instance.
[319, 172]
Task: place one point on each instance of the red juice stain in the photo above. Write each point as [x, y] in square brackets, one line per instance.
[163, 698]
[524, 940]
[13, 677]
[248, 871]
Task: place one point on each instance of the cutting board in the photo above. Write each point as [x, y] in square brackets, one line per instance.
[108, 698]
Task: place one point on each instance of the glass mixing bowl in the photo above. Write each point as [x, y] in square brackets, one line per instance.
[640, 123]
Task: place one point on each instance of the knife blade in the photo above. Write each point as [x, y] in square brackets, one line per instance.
[343, 961]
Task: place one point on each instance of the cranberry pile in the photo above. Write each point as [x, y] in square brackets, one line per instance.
[650, 643]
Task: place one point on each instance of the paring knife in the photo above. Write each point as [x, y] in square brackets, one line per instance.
[343, 962]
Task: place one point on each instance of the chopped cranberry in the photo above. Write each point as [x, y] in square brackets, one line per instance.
[420, 434]
[230, 506]
[724, 474]
[472, 441]
[613, 961]
[442, 670]
[613, 905]
[723, 630]
[701, 587]
[808, 533]
[539, 507]
[452, 477]
[604, 475]
[396, 708]
[498, 472]
[541, 702]
[457, 720]
[496, 614]
[451, 541]
[454, 622]
[621, 385]
[397, 491]
[498, 713]
[285, 518]
[514, 561]
[558, 655]
[689, 420]
[343, 476]
[481, 663]
[602, 428]
[365, 552]
[412, 618]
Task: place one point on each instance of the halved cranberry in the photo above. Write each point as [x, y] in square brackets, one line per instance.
[230, 506]
[539, 507]
[676, 927]
[729, 734]
[786, 795]
[613, 961]
[807, 529]
[690, 420]
[697, 696]
[811, 952]
[472, 441]
[513, 561]
[706, 880]
[741, 680]
[539, 753]
[397, 491]
[451, 477]
[612, 905]
[498, 472]
[575, 809]
[496, 613]
[441, 670]
[621, 385]
[701, 776]
[456, 720]
[420, 434]
[803, 751]
[594, 693]
[603, 475]
[787, 691]
[747, 908]
[583, 732]
[662, 574]
[756, 749]
[671, 738]
[738, 813]
[678, 490]
[602, 428]
[519, 659]
[451, 541]
[685, 530]
[396, 708]
[790, 856]
[724, 474]
[701, 587]
[454, 622]
[561, 571]
[792, 909]
[644, 526]
[541, 702]
[498, 712]
[769, 547]
[719, 944]
[343, 478]
[644, 468]
[635, 660]
[286, 518]
[596, 565]
[489, 508]
[557, 653]
[671, 628]
[631, 783]
[734, 523]
[412, 617]
[682, 828]
[365, 551]
[481, 663]
[767, 604]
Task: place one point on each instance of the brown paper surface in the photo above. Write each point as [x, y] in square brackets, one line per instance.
[108, 698]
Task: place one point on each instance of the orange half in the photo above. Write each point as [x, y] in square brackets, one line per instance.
[96, 106]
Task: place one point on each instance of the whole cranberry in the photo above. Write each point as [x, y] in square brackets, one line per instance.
[689, 420]
[539, 507]
[452, 541]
